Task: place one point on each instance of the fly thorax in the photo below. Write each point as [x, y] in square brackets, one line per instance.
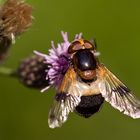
[85, 64]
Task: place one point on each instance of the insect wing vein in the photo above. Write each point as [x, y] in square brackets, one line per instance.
[117, 94]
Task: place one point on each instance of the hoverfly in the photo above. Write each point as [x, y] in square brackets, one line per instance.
[85, 86]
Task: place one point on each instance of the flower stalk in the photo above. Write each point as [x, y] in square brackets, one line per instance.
[7, 71]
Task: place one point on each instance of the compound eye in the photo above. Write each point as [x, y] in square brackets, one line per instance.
[88, 45]
[75, 46]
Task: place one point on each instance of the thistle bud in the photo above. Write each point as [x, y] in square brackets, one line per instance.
[32, 72]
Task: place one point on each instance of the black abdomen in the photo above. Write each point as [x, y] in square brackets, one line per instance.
[89, 105]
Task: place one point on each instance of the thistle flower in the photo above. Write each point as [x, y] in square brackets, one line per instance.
[4, 47]
[58, 61]
[15, 18]
[31, 72]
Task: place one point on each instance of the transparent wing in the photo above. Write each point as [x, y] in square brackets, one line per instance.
[61, 108]
[67, 98]
[117, 94]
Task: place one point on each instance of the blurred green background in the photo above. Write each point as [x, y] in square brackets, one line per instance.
[116, 26]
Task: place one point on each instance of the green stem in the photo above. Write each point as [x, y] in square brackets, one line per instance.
[7, 71]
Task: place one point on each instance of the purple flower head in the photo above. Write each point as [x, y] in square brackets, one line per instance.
[58, 61]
